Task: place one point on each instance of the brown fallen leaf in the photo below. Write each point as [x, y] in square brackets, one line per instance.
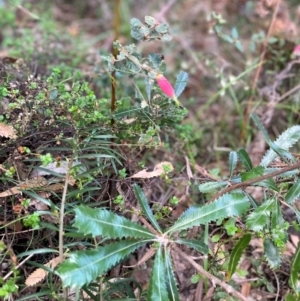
[40, 274]
[159, 169]
[7, 131]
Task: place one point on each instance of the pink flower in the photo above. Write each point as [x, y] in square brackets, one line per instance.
[166, 87]
[296, 52]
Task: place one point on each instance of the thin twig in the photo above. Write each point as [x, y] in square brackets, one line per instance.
[19, 265]
[258, 179]
[61, 219]
[228, 288]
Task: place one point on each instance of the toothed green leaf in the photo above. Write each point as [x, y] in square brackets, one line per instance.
[294, 281]
[171, 279]
[198, 245]
[236, 254]
[233, 158]
[158, 288]
[145, 206]
[95, 221]
[293, 193]
[245, 159]
[260, 217]
[285, 141]
[83, 267]
[228, 205]
[272, 254]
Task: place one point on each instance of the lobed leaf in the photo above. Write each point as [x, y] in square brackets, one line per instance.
[272, 254]
[228, 205]
[145, 206]
[83, 267]
[236, 254]
[158, 289]
[97, 221]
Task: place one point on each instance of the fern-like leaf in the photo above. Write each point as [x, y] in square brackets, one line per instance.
[158, 289]
[103, 222]
[83, 267]
[286, 140]
[228, 205]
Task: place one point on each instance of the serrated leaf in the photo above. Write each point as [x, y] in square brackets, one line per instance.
[251, 199]
[285, 141]
[83, 267]
[252, 174]
[233, 158]
[272, 254]
[276, 216]
[145, 206]
[181, 82]
[294, 281]
[211, 186]
[97, 221]
[293, 193]
[158, 289]
[171, 280]
[198, 245]
[260, 217]
[236, 254]
[228, 205]
[244, 158]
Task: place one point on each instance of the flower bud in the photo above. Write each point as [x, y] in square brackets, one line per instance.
[166, 87]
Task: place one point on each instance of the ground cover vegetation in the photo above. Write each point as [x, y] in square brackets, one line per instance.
[149, 150]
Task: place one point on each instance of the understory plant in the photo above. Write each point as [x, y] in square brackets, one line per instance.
[263, 219]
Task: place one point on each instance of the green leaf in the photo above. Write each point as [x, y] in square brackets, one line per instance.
[232, 162]
[162, 28]
[286, 140]
[252, 174]
[245, 159]
[180, 84]
[260, 217]
[155, 59]
[290, 297]
[272, 254]
[279, 151]
[198, 245]
[171, 280]
[158, 289]
[145, 206]
[83, 267]
[150, 20]
[276, 216]
[211, 186]
[294, 281]
[228, 205]
[237, 253]
[293, 193]
[97, 221]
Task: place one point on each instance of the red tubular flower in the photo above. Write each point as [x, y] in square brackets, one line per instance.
[166, 87]
[296, 52]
